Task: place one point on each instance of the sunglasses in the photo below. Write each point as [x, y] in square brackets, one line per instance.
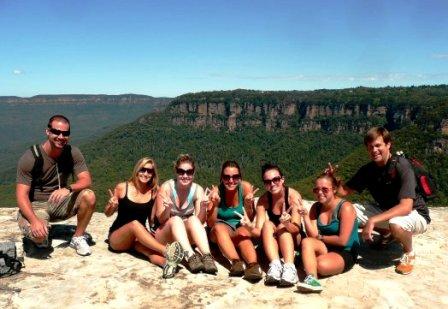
[181, 171]
[147, 170]
[59, 132]
[323, 189]
[227, 178]
[274, 180]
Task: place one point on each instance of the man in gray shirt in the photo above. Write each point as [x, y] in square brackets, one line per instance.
[401, 211]
[42, 189]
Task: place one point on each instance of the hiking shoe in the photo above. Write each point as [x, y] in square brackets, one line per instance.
[195, 263]
[79, 243]
[174, 253]
[253, 273]
[406, 264]
[169, 270]
[209, 264]
[237, 269]
[274, 273]
[310, 284]
[289, 275]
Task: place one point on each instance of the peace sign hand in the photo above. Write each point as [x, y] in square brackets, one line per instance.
[331, 170]
[250, 197]
[286, 217]
[245, 221]
[214, 195]
[113, 201]
[206, 198]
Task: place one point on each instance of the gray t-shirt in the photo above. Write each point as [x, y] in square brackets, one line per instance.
[387, 191]
[53, 177]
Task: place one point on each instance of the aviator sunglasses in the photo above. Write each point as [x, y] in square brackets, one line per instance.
[181, 171]
[274, 180]
[147, 170]
[227, 178]
[59, 132]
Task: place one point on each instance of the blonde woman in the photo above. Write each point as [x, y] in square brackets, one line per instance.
[134, 200]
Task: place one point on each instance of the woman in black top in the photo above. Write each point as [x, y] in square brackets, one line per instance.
[134, 200]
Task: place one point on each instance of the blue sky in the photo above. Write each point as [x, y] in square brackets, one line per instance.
[167, 48]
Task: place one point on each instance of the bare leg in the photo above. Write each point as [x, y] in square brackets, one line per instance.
[153, 256]
[403, 236]
[197, 233]
[286, 243]
[85, 211]
[269, 242]
[174, 229]
[311, 248]
[221, 233]
[245, 244]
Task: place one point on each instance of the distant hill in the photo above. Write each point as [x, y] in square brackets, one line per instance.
[300, 130]
[23, 120]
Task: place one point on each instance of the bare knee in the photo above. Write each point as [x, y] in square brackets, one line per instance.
[307, 243]
[88, 199]
[174, 221]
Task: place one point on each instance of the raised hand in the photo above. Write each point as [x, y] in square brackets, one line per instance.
[331, 170]
[250, 197]
[245, 221]
[214, 195]
[286, 216]
[113, 201]
[206, 198]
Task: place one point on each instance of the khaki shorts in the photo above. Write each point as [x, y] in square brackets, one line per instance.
[412, 222]
[67, 208]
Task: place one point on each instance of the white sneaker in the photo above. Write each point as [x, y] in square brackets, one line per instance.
[289, 275]
[274, 273]
[79, 243]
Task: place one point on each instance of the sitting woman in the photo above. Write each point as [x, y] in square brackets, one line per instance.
[332, 243]
[134, 200]
[230, 215]
[281, 230]
[180, 210]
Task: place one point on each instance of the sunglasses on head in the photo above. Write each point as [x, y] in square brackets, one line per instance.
[274, 180]
[227, 178]
[59, 132]
[147, 170]
[323, 189]
[181, 171]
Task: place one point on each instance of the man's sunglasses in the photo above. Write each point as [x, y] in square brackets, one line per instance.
[274, 180]
[59, 132]
[227, 178]
[181, 171]
[147, 170]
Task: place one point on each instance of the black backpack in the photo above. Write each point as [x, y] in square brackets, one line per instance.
[65, 165]
[426, 184]
[10, 264]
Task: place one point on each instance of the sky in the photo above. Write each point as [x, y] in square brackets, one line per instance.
[168, 48]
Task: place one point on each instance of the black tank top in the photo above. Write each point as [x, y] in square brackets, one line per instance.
[129, 211]
[272, 216]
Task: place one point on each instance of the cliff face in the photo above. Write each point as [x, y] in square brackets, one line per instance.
[301, 115]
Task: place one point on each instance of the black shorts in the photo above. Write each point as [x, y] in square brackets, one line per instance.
[349, 258]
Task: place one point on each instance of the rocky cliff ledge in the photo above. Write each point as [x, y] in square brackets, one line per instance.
[122, 280]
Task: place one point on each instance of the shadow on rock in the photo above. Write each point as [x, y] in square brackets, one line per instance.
[375, 256]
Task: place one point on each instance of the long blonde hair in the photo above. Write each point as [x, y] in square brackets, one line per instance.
[154, 184]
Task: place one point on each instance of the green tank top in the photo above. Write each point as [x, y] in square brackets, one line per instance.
[333, 228]
[227, 214]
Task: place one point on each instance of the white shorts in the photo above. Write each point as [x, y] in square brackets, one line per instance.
[413, 222]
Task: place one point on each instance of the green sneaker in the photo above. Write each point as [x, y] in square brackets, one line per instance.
[310, 284]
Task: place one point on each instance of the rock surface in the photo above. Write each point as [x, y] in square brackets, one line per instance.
[122, 280]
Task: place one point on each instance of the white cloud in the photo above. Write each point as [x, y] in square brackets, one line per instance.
[18, 72]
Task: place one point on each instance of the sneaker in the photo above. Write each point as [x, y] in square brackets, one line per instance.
[237, 269]
[289, 275]
[195, 263]
[406, 264]
[79, 243]
[253, 273]
[310, 284]
[174, 255]
[274, 273]
[209, 264]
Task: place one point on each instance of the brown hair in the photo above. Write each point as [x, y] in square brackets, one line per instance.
[230, 163]
[182, 158]
[376, 132]
[61, 118]
[270, 166]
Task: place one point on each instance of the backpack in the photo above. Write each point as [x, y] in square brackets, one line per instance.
[426, 184]
[65, 165]
[10, 264]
